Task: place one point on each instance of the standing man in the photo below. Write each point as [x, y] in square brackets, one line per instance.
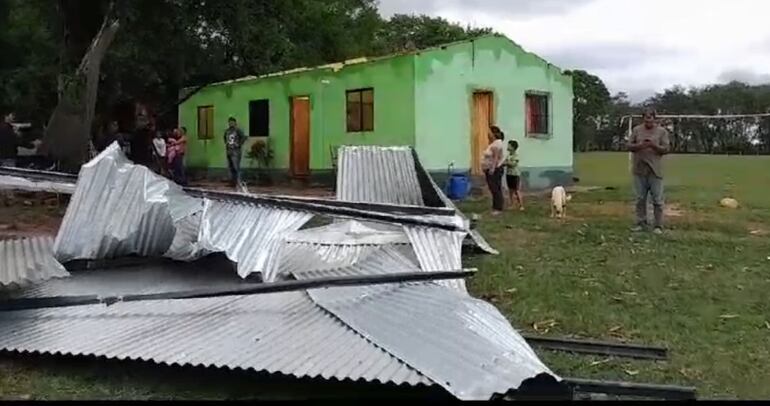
[234, 139]
[649, 142]
[9, 142]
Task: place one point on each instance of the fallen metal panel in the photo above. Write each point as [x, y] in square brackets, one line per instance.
[598, 347]
[402, 215]
[394, 175]
[118, 209]
[348, 233]
[28, 260]
[20, 183]
[377, 175]
[437, 250]
[322, 259]
[248, 235]
[278, 332]
[463, 344]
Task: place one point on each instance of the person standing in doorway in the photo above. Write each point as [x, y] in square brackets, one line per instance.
[648, 143]
[512, 174]
[234, 139]
[493, 163]
[9, 141]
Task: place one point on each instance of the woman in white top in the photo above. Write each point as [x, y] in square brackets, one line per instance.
[493, 162]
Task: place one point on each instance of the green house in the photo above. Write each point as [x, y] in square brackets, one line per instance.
[439, 100]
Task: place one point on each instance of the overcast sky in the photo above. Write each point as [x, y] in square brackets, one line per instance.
[636, 46]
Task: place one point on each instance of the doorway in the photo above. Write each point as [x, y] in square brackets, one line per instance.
[482, 116]
[300, 136]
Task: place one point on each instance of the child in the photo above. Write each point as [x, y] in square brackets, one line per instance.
[513, 177]
[159, 149]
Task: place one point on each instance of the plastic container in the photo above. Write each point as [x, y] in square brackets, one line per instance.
[459, 186]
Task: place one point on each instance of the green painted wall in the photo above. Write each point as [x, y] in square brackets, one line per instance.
[391, 78]
[445, 81]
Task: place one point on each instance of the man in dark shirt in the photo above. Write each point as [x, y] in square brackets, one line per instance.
[648, 143]
[234, 139]
[9, 142]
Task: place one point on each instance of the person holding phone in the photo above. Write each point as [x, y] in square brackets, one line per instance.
[648, 144]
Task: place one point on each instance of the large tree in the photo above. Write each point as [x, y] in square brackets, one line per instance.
[410, 32]
[590, 106]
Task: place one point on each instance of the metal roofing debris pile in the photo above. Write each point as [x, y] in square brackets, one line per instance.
[430, 333]
[28, 260]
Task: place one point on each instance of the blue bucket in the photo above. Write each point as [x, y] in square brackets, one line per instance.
[459, 186]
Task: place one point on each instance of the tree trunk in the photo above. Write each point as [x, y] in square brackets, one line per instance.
[69, 129]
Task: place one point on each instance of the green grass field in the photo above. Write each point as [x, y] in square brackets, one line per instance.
[700, 289]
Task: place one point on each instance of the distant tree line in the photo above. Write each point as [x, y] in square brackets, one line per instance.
[164, 46]
[598, 117]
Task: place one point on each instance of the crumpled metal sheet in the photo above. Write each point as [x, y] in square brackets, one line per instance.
[118, 209]
[463, 344]
[350, 232]
[377, 175]
[28, 260]
[249, 235]
[438, 250]
[345, 260]
[19, 183]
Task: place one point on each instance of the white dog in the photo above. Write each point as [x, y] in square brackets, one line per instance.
[559, 199]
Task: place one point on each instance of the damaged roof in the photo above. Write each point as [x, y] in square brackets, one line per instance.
[407, 333]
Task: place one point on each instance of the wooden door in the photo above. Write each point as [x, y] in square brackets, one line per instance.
[482, 116]
[300, 136]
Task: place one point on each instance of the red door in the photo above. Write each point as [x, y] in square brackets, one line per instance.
[300, 136]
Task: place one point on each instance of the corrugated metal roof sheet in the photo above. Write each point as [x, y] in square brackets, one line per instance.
[248, 235]
[392, 175]
[28, 260]
[19, 183]
[121, 209]
[463, 344]
[278, 333]
[118, 209]
[378, 175]
[438, 250]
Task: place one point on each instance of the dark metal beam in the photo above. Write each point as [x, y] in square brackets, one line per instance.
[642, 390]
[340, 209]
[251, 289]
[598, 347]
[385, 213]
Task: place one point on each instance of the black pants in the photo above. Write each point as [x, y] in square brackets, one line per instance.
[495, 183]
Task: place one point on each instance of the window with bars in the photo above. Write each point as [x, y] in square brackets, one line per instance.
[360, 110]
[538, 114]
[205, 122]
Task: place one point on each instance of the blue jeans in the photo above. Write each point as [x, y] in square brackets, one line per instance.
[234, 164]
[653, 186]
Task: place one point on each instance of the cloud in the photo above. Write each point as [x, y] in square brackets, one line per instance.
[639, 47]
[745, 76]
[507, 8]
[609, 55]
